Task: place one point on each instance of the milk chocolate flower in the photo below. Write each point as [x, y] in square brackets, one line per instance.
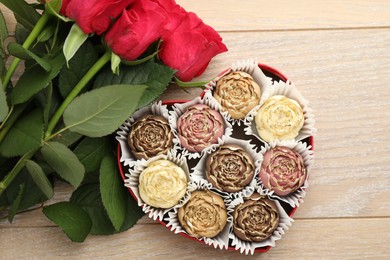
[279, 118]
[199, 127]
[162, 184]
[149, 136]
[238, 93]
[256, 219]
[204, 215]
[230, 168]
[282, 170]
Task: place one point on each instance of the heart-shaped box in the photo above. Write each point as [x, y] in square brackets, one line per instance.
[269, 76]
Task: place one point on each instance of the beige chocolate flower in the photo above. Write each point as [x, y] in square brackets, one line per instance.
[162, 184]
[256, 219]
[238, 93]
[279, 118]
[282, 170]
[230, 168]
[199, 127]
[204, 215]
[149, 136]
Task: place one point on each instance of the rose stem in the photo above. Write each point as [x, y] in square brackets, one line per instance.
[30, 40]
[14, 172]
[75, 91]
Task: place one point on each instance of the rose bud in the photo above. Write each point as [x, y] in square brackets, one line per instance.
[230, 168]
[282, 170]
[199, 127]
[204, 215]
[279, 118]
[95, 16]
[238, 93]
[256, 219]
[149, 136]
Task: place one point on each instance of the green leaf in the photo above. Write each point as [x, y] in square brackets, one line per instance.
[40, 178]
[64, 162]
[34, 79]
[81, 62]
[101, 111]
[151, 74]
[3, 104]
[24, 136]
[91, 152]
[16, 204]
[72, 219]
[88, 197]
[114, 195]
[24, 13]
[18, 51]
[73, 42]
[32, 194]
[115, 62]
[68, 138]
[47, 32]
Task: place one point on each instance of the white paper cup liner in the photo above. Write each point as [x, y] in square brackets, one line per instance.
[127, 157]
[199, 171]
[179, 109]
[132, 182]
[249, 247]
[288, 90]
[220, 241]
[252, 68]
[295, 198]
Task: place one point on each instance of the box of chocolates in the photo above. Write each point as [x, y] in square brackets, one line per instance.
[228, 168]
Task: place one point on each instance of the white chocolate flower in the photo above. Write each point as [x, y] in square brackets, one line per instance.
[279, 118]
[162, 184]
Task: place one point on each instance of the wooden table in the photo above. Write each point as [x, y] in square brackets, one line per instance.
[338, 55]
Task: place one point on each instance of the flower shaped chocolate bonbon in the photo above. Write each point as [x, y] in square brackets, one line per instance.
[199, 127]
[279, 118]
[162, 184]
[256, 219]
[238, 93]
[230, 168]
[204, 215]
[149, 136]
[282, 171]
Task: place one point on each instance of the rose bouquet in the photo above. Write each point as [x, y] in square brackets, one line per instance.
[88, 65]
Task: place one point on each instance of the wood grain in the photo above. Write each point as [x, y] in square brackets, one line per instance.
[337, 53]
[307, 239]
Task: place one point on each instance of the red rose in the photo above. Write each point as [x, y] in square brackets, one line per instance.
[176, 15]
[95, 16]
[136, 29]
[190, 47]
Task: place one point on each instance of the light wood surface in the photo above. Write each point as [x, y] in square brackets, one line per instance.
[338, 55]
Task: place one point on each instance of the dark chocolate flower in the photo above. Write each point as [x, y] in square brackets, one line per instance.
[282, 170]
[199, 127]
[256, 219]
[149, 136]
[230, 168]
[204, 215]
